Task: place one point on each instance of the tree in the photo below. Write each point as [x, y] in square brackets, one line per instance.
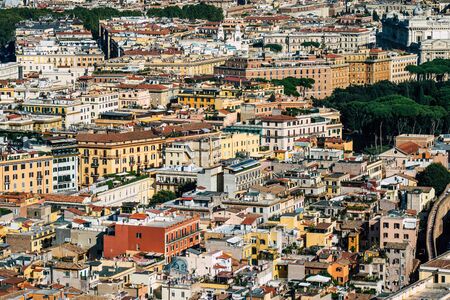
[274, 47]
[436, 176]
[187, 187]
[290, 85]
[375, 16]
[198, 11]
[162, 196]
[310, 44]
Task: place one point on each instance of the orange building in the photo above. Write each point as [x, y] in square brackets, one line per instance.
[169, 236]
[340, 271]
[368, 66]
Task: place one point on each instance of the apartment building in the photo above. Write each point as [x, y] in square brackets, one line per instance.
[399, 265]
[101, 102]
[418, 198]
[342, 39]
[271, 68]
[240, 175]
[238, 143]
[170, 236]
[202, 152]
[206, 97]
[399, 62]
[368, 66]
[144, 95]
[26, 172]
[395, 227]
[65, 162]
[280, 132]
[34, 240]
[71, 111]
[103, 154]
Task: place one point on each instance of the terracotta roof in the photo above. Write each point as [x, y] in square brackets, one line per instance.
[79, 221]
[115, 137]
[76, 211]
[186, 127]
[279, 118]
[62, 198]
[323, 225]
[138, 216]
[224, 256]
[408, 148]
[142, 86]
[249, 220]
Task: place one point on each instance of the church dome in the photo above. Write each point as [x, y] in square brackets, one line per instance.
[418, 11]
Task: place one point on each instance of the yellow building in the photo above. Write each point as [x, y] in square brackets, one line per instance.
[339, 144]
[31, 241]
[353, 242]
[47, 123]
[263, 244]
[368, 66]
[291, 221]
[26, 172]
[103, 154]
[437, 268]
[233, 143]
[319, 235]
[334, 183]
[6, 90]
[59, 60]
[208, 97]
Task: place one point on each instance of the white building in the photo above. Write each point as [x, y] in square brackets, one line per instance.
[101, 102]
[239, 176]
[9, 71]
[280, 131]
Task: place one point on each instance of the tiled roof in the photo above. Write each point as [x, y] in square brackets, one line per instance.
[62, 198]
[408, 148]
[115, 137]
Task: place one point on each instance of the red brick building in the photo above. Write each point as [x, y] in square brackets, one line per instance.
[166, 235]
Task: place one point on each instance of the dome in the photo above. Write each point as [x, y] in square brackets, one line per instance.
[418, 11]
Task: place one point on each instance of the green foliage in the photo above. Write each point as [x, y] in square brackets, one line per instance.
[10, 17]
[290, 85]
[435, 69]
[375, 114]
[162, 196]
[4, 211]
[274, 47]
[198, 11]
[311, 44]
[436, 176]
[90, 17]
[259, 44]
[188, 186]
[375, 16]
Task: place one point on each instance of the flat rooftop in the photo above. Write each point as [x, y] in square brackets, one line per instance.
[432, 291]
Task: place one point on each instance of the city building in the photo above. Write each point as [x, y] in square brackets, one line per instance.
[103, 154]
[169, 236]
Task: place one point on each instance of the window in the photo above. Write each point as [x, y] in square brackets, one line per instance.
[396, 226]
[396, 235]
[385, 225]
[385, 235]
[138, 235]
